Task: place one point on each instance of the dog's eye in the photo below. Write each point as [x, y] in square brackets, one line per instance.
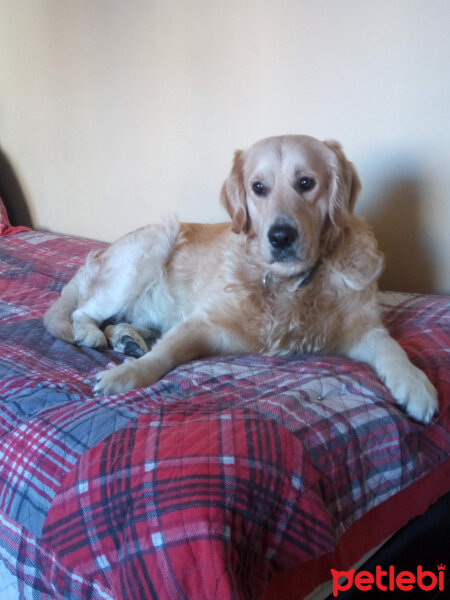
[259, 188]
[306, 184]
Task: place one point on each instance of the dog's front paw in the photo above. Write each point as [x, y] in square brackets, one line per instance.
[123, 378]
[91, 337]
[413, 391]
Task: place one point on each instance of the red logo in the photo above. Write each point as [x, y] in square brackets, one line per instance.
[388, 580]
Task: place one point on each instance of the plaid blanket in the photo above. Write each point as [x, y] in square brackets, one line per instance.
[205, 485]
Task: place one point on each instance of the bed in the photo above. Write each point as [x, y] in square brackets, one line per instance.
[238, 477]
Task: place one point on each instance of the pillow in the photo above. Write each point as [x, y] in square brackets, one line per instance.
[5, 225]
[4, 221]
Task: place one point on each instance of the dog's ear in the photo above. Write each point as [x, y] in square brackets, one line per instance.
[345, 186]
[233, 196]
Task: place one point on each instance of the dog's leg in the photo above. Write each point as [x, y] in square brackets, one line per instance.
[186, 341]
[129, 339]
[409, 386]
[86, 330]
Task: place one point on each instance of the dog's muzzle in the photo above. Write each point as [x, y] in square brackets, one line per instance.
[282, 238]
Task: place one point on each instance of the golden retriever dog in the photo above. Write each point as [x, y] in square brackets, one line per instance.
[294, 271]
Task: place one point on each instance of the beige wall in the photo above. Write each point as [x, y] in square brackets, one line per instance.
[114, 113]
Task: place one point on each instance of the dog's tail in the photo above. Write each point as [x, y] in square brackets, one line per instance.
[58, 318]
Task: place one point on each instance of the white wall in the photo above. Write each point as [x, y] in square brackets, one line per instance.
[114, 112]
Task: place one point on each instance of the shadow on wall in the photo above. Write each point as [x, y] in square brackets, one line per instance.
[12, 194]
[397, 223]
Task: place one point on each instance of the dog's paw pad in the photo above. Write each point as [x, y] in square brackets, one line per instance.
[132, 348]
[129, 344]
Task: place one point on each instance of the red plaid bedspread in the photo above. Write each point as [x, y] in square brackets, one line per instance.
[206, 484]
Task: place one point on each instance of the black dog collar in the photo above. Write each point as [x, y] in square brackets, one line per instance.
[309, 274]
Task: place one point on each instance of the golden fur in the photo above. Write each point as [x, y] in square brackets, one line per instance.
[294, 271]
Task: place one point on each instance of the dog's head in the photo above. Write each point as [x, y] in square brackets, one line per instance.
[293, 195]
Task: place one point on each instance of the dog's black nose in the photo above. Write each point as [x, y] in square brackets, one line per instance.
[282, 235]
